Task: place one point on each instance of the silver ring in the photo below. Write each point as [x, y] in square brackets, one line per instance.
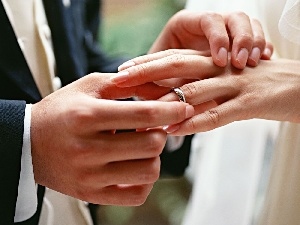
[180, 94]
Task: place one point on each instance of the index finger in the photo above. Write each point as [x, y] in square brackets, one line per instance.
[108, 114]
[209, 25]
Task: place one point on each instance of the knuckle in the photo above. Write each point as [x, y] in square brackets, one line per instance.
[218, 37]
[149, 112]
[151, 172]
[176, 60]
[191, 124]
[170, 52]
[211, 15]
[141, 71]
[213, 117]
[156, 142]
[77, 116]
[189, 90]
[139, 196]
[245, 38]
[181, 13]
[260, 40]
[240, 14]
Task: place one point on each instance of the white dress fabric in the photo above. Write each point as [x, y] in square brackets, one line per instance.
[230, 165]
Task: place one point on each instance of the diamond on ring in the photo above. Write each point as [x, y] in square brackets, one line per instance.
[180, 94]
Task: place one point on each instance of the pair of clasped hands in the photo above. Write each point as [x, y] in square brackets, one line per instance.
[75, 148]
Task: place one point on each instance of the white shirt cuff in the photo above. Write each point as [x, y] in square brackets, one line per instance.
[26, 205]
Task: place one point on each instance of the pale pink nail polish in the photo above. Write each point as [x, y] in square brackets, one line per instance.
[242, 57]
[120, 77]
[223, 56]
[126, 65]
[255, 56]
[267, 52]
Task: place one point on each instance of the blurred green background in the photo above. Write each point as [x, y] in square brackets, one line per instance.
[129, 29]
[131, 26]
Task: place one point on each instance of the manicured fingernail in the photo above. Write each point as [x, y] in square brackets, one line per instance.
[171, 128]
[242, 57]
[267, 52]
[126, 65]
[223, 56]
[254, 56]
[120, 77]
[189, 111]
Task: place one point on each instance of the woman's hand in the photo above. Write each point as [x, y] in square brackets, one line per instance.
[223, 95]
[269, 91]
[215, 35]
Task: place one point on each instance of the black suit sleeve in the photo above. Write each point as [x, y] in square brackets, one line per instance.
[11, 141]
[98, 61]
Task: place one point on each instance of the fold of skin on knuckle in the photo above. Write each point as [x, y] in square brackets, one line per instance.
[219, 39]
[238, 15]
[260, 41]
[213, 118]
[150, 113]
[170, 52]
[140, 71]
[191, 125]
[244, 40]
[208, 19]
[78, 117]
[176, 61]
[189, 91]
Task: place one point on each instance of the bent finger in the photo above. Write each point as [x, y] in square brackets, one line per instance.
[259, 43]
[241, 33]
[133, 195]
[214, 29]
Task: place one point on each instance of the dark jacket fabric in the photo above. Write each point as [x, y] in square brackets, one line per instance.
[74, 32]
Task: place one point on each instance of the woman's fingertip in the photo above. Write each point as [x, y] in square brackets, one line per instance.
[242, 57]
[171, 128]
[254, 56]
[120, 77]
[222, 56]
[126, 65]
[267, 53]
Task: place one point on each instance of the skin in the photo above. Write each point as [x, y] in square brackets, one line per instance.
[75, 148]
[76, 151]
[223, 95]
[208, 32]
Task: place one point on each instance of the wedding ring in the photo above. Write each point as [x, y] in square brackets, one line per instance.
[180, 94]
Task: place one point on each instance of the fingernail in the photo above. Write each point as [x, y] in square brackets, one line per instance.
[223, 56]
[171, 128]
[242, 57]
[189, 111]
[255, 56]
[126, 65]
[120, 77]
[267, 52]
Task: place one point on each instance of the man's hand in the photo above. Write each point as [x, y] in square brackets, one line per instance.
[76, 151]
